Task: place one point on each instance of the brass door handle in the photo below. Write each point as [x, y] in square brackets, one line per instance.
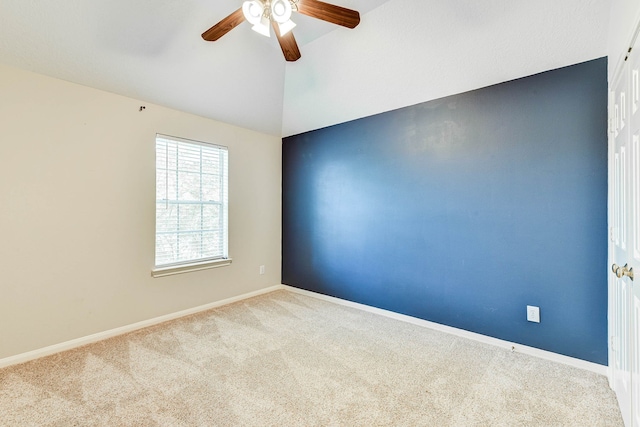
[620, 272]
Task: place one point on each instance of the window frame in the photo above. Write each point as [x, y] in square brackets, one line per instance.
[193, 264]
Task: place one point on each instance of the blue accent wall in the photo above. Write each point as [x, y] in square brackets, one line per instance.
[464, 210]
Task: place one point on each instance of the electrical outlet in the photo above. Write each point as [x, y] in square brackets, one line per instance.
[262, 269]
[533, 313]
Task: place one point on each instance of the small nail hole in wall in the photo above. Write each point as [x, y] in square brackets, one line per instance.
[142, 107]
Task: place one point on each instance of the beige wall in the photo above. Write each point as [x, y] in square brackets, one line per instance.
[77, 212]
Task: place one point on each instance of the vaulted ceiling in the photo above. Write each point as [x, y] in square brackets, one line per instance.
[403, 52]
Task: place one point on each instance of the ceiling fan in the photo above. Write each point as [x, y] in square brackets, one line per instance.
[262, 14]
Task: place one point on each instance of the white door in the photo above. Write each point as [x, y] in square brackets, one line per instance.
[633, 234]
[624, 292]
[619, 287]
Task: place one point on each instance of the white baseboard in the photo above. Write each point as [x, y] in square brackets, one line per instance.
[532, 351]
[89, 339]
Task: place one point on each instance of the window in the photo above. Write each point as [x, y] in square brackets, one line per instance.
[191, 205]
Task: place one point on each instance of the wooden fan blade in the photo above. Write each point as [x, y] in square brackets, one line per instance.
[329, 12]
[224, 26]
[287, 44]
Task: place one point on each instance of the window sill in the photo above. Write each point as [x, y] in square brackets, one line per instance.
[185, 268]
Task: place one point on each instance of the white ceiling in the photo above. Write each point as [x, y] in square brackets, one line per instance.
[151, 50]
[410, 51]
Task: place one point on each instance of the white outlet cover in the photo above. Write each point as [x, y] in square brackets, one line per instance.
[533, 313]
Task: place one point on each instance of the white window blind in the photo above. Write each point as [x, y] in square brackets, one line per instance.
[191, 201]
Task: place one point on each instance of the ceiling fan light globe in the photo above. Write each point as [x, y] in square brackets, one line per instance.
[253, 11]
[262, 27]
[285, 27]
[281, 11]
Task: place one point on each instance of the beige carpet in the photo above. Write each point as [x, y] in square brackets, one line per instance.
[285, 359]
